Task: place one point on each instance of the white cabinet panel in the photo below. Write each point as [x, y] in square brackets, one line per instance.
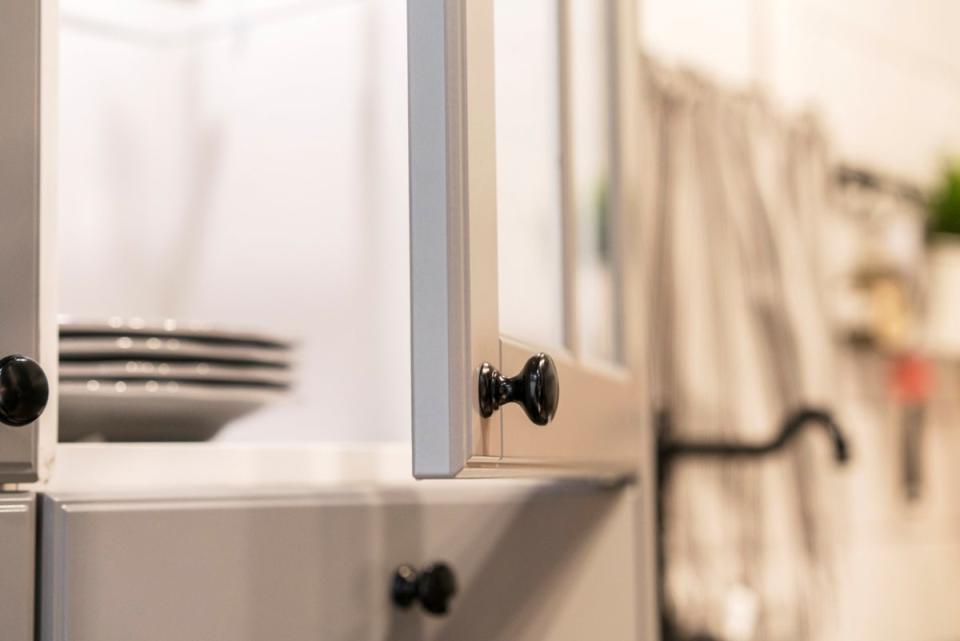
[18, 520]
[27, 135]
[533, 561]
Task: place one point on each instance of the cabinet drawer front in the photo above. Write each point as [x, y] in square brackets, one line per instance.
[18, 520]
[530, 563]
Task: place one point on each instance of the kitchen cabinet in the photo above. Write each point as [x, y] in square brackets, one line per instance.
[485, 403]
[221, 543]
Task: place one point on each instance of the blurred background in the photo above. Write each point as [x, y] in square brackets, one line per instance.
[244, 165]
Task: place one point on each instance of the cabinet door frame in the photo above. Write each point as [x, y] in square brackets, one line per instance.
[28, 84]
[454, 295]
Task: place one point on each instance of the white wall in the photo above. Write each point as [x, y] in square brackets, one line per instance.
[883, 74]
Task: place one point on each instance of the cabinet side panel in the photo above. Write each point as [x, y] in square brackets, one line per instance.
[19, 211]
[438, 447]
[453, 233]
[48, 307]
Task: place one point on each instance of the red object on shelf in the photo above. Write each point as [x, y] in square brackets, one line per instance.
[912, 379]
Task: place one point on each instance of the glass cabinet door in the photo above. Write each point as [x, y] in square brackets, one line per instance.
[27, 330]
[523, 213]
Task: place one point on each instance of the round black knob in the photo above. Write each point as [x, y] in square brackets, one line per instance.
[437, 585]
[433, 586]
[24, 390]
[536, 388]
[404, 588]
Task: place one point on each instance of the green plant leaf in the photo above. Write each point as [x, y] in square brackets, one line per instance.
[945, 202]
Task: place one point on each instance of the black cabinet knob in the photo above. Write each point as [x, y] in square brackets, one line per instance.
[24, 390]
[536, 388]
[433, 586]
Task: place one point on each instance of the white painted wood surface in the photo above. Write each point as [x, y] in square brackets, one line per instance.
[452, 210]
[537, 562]
[18, 519]
[48, 302]
[27, 138]
[454, 280]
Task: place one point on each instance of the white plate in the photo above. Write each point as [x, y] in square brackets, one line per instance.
[161, 371]
[152, 410]
[168, 349]
[169, 328]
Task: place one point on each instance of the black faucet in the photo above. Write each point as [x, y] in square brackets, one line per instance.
[670, 449]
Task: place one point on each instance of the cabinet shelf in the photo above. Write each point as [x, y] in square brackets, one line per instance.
[166, 467]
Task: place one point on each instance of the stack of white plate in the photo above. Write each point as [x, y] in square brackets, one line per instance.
[130, 380]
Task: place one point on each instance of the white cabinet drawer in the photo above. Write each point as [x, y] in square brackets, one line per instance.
[531, 562]
[18, 520]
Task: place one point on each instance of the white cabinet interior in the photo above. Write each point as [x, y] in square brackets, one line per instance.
[244, 165]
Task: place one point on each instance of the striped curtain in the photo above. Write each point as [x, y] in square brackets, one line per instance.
[737, 196]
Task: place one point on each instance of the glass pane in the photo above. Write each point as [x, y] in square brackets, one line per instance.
[591, 128]
[528, 171]
[244, 165]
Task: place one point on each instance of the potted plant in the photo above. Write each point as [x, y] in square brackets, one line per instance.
[943, 234]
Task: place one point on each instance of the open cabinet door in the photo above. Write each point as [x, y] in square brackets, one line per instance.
[27, 316]
[487, 401]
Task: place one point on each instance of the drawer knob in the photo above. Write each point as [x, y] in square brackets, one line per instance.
[536, 388]
[433, 586]
[24, 390]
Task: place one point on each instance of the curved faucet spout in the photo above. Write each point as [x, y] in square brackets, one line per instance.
[790, 428]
